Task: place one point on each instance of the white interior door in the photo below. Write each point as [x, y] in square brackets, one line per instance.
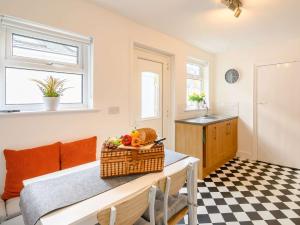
[278, 114]
[150, 92]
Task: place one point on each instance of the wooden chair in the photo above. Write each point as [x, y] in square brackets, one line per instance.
[170, 206]
[129, 212]
[172, 187]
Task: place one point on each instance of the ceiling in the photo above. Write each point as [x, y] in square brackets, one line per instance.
[210, 25]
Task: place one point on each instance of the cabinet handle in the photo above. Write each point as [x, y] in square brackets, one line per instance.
[215, 133]
[228, 128]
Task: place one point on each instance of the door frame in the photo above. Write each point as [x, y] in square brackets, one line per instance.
[255, 97]
[168, 103]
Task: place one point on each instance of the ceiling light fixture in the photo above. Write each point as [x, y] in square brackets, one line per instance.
[234, 5]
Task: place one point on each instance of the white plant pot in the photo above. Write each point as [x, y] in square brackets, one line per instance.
[51, 103]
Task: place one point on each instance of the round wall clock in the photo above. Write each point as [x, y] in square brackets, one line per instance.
[232, 76]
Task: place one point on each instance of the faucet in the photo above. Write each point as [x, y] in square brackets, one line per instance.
[206, 108]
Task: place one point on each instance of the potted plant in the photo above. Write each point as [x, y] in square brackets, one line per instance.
[52, 88]
[197, 98]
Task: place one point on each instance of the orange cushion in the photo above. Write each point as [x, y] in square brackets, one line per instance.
[78, 152]
[28, 163]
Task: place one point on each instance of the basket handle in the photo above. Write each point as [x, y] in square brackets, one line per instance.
[159, 141]
[135, 155]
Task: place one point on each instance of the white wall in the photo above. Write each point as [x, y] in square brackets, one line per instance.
[113, 38]
[242, 91]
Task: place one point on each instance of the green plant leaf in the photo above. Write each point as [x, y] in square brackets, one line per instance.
[51, 87]
[197, 97]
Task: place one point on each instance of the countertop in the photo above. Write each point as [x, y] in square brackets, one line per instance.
[203, 121]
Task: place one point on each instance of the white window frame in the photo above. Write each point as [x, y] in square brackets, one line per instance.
[195, 77]
[11, 25]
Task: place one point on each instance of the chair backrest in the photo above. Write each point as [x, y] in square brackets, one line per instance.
[129, 211]
[177, 181]
[172, 185]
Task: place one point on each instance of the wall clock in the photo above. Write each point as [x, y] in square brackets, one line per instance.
[232, 76]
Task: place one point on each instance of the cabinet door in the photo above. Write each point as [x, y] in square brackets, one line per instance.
[230, 138]
[235, 135]
[227, 139]
[180, 138]
[220, 148]
[188, 140]
[214, 151]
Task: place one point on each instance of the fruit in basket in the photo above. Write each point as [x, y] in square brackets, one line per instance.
[126, 140]
[136, 142]
[109, 145]
[117, 142]
[134, 133]
[112, 143]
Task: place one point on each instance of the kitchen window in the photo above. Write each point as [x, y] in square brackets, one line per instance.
[31, 51]
[194, 83]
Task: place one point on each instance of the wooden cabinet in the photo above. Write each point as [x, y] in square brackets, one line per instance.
[189, 141]
[230, 139]
[214, 144]
[220, 145]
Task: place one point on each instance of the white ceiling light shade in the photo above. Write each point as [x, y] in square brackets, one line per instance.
[234, 5]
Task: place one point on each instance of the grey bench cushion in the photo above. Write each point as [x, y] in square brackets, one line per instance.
[175, 204]
[13, 207]
[2, 211]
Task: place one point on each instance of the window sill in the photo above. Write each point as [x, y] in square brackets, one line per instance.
[62, 111]
[194, 110]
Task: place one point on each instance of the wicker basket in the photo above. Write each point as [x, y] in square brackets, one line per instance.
[125, 161]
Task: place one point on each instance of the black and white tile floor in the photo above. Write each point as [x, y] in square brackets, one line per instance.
[249, 192]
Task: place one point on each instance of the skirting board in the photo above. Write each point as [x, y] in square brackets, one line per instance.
[244, 155]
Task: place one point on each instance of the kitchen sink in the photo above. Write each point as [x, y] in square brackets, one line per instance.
[209, 117]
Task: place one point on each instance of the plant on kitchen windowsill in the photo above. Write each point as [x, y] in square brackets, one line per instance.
[197, 98]
[52, 88]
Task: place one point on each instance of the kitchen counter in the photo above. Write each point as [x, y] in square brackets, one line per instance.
[213, 139]
[211, 119]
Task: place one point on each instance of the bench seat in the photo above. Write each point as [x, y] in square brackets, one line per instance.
[10, 212]
[2, 211]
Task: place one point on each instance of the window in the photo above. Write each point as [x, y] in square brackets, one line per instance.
[33, 51]
[21, 79]
[194, 82]
[150, 95]
[42, 49]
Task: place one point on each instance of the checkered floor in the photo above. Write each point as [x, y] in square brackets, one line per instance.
[245, 192]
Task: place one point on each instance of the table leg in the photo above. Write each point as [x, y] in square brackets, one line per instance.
[192, 194]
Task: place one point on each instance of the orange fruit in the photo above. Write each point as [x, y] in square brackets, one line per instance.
[136, 142]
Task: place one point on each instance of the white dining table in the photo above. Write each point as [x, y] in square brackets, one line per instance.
[85, 212]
